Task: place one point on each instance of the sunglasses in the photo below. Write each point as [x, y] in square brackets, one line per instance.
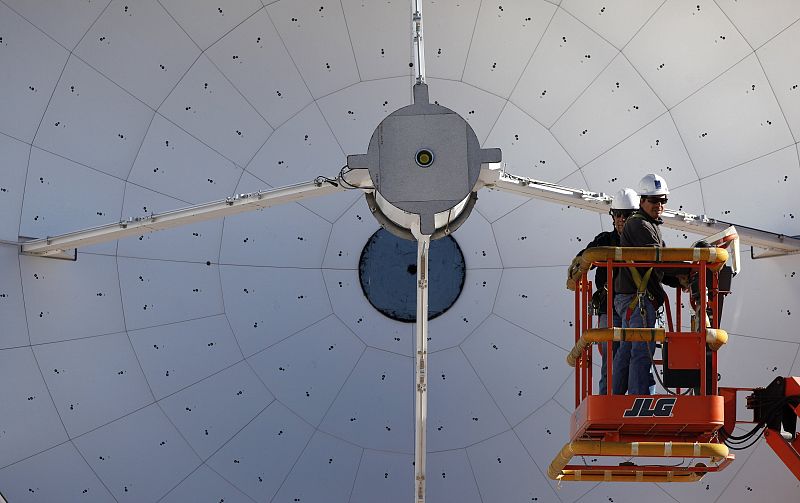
[621, 213]
[656, 200]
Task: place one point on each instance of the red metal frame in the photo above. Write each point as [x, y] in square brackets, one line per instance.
[788, 450]
[692, 418]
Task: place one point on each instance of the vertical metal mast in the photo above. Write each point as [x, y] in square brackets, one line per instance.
[418, 45]
[423, 246]
[420, 365]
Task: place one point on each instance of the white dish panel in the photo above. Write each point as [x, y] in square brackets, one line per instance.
[140, 47]
[37, 62]
[254, 59]
[476, 240]
[448, 30]
[451, 477]
[525, 235]
[92, 121]
[93, 381]
[207, 106]
[759, 24]
[242, 462]
[471, 308]
[12, 187]
[318, 40]
[139, 457]
[204, 481]
[503, 40]
[461, 411]
[536, 300]
[520, 370]
[334, 464]
[379, 33]
[173, 162]
[656, 148]
[659, 51]
[12, 304]
[210, 412]
[755, 359]
[771, 184]
[783, 78]
[760, 477]
[368, 324]
[261, 238]
[30, 423]
[616, 104]
[69, 300]
[177, 355]
[528, 148]
[732, 120]
[386, 474]
[567, 60]
[349, 235]
[207, 21]
[53, 475]
[498, 461]
[616, 22]
[373, 408]
[155, 292]
[62, 20]
[307, 370]
[765, 301]
[265, 305]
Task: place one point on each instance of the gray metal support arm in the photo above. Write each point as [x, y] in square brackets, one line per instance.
[773, 243]
[61, 245]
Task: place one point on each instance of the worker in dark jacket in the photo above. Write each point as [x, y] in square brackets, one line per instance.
[638, 291]
[623, 205]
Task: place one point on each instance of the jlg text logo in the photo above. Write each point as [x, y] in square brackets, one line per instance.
[644, 407]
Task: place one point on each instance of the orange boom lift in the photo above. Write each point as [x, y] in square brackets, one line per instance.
[689, 435]
[638, 426]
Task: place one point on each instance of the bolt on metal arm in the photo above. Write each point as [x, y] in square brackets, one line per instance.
[417, 41]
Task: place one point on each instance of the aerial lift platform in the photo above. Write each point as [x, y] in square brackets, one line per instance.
[689, 429]
[675, 426]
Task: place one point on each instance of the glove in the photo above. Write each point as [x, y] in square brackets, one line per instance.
[574, 267]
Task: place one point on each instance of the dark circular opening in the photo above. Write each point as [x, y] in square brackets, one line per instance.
[387, 271]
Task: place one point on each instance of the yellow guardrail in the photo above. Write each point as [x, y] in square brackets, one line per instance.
[716, 257]
[633, 473]
[715, 338]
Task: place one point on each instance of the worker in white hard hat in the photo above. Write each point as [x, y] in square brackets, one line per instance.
[638, 291]
[623, 205]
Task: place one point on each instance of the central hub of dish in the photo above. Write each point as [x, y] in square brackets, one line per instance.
[424, 161]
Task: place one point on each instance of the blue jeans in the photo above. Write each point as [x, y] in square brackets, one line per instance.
[632, 360]
[602, 322]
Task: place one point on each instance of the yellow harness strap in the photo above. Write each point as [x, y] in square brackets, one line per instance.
[641, 284]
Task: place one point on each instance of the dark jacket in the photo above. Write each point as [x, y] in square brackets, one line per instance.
[610, 238]
[641, 230]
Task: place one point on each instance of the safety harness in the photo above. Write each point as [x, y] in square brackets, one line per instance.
[641, 282]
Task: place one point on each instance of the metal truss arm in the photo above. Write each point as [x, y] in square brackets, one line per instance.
[60, 246]
[774, 243]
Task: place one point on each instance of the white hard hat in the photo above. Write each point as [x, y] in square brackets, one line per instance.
[653, 185]
[625, 199]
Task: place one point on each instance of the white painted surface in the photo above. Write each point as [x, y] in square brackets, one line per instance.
[230, 303]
